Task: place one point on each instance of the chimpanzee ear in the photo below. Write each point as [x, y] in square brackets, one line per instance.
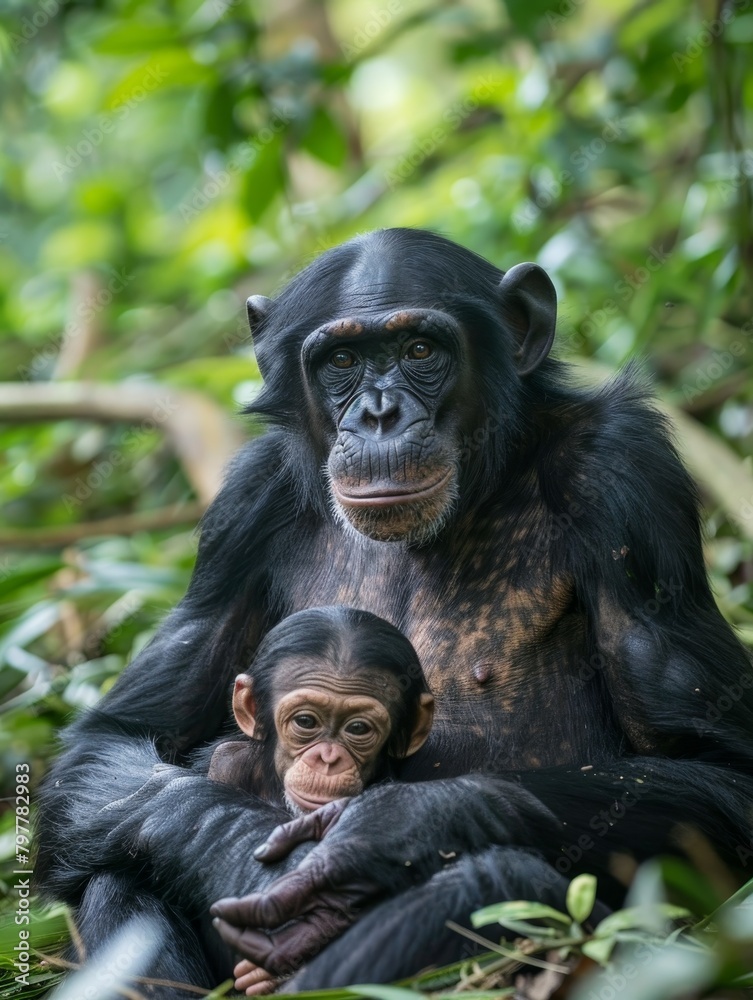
[244, 707]
[257, 308]
[424, 719]
[529, 304]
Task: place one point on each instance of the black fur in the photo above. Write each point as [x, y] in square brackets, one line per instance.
[571, 574]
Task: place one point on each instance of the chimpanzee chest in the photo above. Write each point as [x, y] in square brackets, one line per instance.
[501, 640]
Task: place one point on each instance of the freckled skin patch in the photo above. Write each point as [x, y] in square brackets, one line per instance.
[496, 633]
[400, 320]
[344, 328]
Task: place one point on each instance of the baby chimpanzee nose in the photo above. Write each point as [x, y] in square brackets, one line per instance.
[327, 758]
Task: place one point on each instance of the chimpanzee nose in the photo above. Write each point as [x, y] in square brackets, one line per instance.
[375, 412]
[327, 758]
[381, 411]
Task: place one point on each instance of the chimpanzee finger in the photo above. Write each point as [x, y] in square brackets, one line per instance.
[283, 952]
[261, 989]
[310, 826]
[286, 899]
[252, 979]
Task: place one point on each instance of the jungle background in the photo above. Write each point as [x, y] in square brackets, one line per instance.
[163, 159]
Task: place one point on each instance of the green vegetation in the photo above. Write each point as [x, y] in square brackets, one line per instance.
[162, 159]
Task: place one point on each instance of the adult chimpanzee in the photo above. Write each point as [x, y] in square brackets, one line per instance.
[540, 546]
[334, 701]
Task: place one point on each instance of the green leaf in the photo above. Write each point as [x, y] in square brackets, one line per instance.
[689, 885]
[325, 140]
[129, 37]
[10, 677]
[526, 14]
[599, 949]
[477, 995]
[28, 574]
[581, 896]
[651, 973]
[515, 911]
[165, 69]
[264, 179]
[384, 992]
[48, 929]
[221, 991]
[640, 916]
[38, 620]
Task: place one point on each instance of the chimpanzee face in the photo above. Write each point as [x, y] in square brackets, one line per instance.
[331, 724]
[407, 346]
[385, 386]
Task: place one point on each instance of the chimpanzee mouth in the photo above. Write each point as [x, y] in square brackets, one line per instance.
[397, 495]
[299, 804]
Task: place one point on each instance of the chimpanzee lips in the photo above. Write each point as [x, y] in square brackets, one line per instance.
[304, 802]
[390, 496]
[308, 788]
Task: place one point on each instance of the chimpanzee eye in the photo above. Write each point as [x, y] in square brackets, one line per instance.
[358, 728]
[419, 350]
[305, 721]
[343, 359]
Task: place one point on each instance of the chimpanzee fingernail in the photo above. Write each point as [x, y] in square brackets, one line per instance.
[261, 850]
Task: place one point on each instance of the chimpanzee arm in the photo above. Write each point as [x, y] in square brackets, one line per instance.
[115, 806]
[110, 803]
[679, 681]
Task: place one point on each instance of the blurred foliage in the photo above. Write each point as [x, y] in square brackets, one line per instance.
[162, 159]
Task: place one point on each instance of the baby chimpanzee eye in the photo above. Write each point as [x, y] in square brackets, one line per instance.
[358, 728]
[305, 721]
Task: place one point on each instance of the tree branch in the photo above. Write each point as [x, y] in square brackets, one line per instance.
[203, 436]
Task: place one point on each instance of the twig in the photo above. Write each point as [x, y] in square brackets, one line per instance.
[78, 943]
[203, 436]
[514, 955]
[124, 524]
[82, 336]
[141, 980]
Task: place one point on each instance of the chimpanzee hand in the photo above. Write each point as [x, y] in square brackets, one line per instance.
[309, 826]
[284, 951]
[391, 837]
[253, 980]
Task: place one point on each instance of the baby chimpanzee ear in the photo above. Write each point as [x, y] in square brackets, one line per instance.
[244, 707]
[422, 728]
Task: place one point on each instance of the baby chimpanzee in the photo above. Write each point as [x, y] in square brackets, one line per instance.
[333, 700]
